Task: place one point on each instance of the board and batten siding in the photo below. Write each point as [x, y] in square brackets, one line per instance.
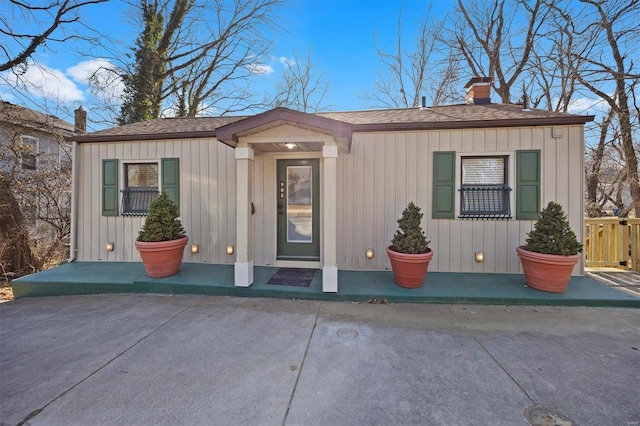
[207, 198]
[376, 180]
[264, 218]
[385, 171]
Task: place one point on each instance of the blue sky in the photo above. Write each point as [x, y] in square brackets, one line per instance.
[339, 32]
[342, 36]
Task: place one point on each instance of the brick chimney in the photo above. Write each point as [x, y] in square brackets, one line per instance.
[479, 90]
[80, 120]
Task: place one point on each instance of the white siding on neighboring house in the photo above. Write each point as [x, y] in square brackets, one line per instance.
[207, 198]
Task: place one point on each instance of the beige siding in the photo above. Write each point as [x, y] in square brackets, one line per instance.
[264, 219]
[207, 199]
[385, 171]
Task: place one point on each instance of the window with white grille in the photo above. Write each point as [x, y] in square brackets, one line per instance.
[484, 190]
[140, 188]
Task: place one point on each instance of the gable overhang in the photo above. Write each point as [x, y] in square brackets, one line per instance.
[314, 130]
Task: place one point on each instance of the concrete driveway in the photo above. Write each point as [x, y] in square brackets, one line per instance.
[202, 360]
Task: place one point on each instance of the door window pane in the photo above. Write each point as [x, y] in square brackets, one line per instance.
[299, 204]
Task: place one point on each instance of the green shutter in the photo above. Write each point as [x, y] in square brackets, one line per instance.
[171, 179]
[528, 184]
[109, 187]
[444, 181]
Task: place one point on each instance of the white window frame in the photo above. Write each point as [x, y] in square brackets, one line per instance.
[510, 158]
[123, 180]
[63, 158]
[36, 148]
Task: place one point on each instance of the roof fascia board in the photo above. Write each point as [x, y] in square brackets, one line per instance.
[550, 121]
[143, 137]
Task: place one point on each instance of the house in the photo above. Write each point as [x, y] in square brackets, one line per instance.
[35, 173]
[34, 136]
[325, 190]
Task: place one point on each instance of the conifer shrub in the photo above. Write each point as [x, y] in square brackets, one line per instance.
[162, 223]
[410, 238]
[552, 234]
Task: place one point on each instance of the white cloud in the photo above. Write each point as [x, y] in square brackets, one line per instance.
[260, 68]
[46, 82]
[587, 106]
[99, 74]
[83, 71]
[287, 61]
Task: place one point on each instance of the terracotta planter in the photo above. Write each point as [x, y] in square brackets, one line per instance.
[162, 259]
[409, 270]
[547, 272]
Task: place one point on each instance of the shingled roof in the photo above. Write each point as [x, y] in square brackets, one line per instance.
[17, 115]
[454, 116]
[463, 116]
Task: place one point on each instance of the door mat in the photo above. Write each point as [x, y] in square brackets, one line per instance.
[293, 276]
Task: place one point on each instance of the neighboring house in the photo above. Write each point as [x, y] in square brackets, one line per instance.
[35, 161]
[287, 188]
[34, 137]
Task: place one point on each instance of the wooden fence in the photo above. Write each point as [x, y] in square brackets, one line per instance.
[612, 242]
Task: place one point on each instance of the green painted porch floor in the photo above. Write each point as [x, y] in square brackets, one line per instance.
[440, 287]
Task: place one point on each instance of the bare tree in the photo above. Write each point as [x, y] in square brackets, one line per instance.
[446, 89]
[35, 185]
[196, 55]
[303, 86]
[29, 243]
[593, 168]
[606, 70]
[406, 73]
[486, 35]
[16, 257]
[27, 26]
[552, 83]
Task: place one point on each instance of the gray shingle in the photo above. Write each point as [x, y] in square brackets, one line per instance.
[453, 116]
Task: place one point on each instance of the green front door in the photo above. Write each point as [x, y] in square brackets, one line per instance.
[298, 204]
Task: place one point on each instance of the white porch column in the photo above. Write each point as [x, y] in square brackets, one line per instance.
[329, 228]
[243, 267]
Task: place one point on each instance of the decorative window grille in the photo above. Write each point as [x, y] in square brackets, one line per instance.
[484, 193]
[136, 201]
[485, 202]
[141, 188]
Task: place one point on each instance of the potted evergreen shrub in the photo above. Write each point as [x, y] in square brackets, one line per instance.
[551, 251]
[162, 239]
[409, 251]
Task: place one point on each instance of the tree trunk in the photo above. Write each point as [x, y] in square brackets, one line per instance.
[16, 258]
[593, 175]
